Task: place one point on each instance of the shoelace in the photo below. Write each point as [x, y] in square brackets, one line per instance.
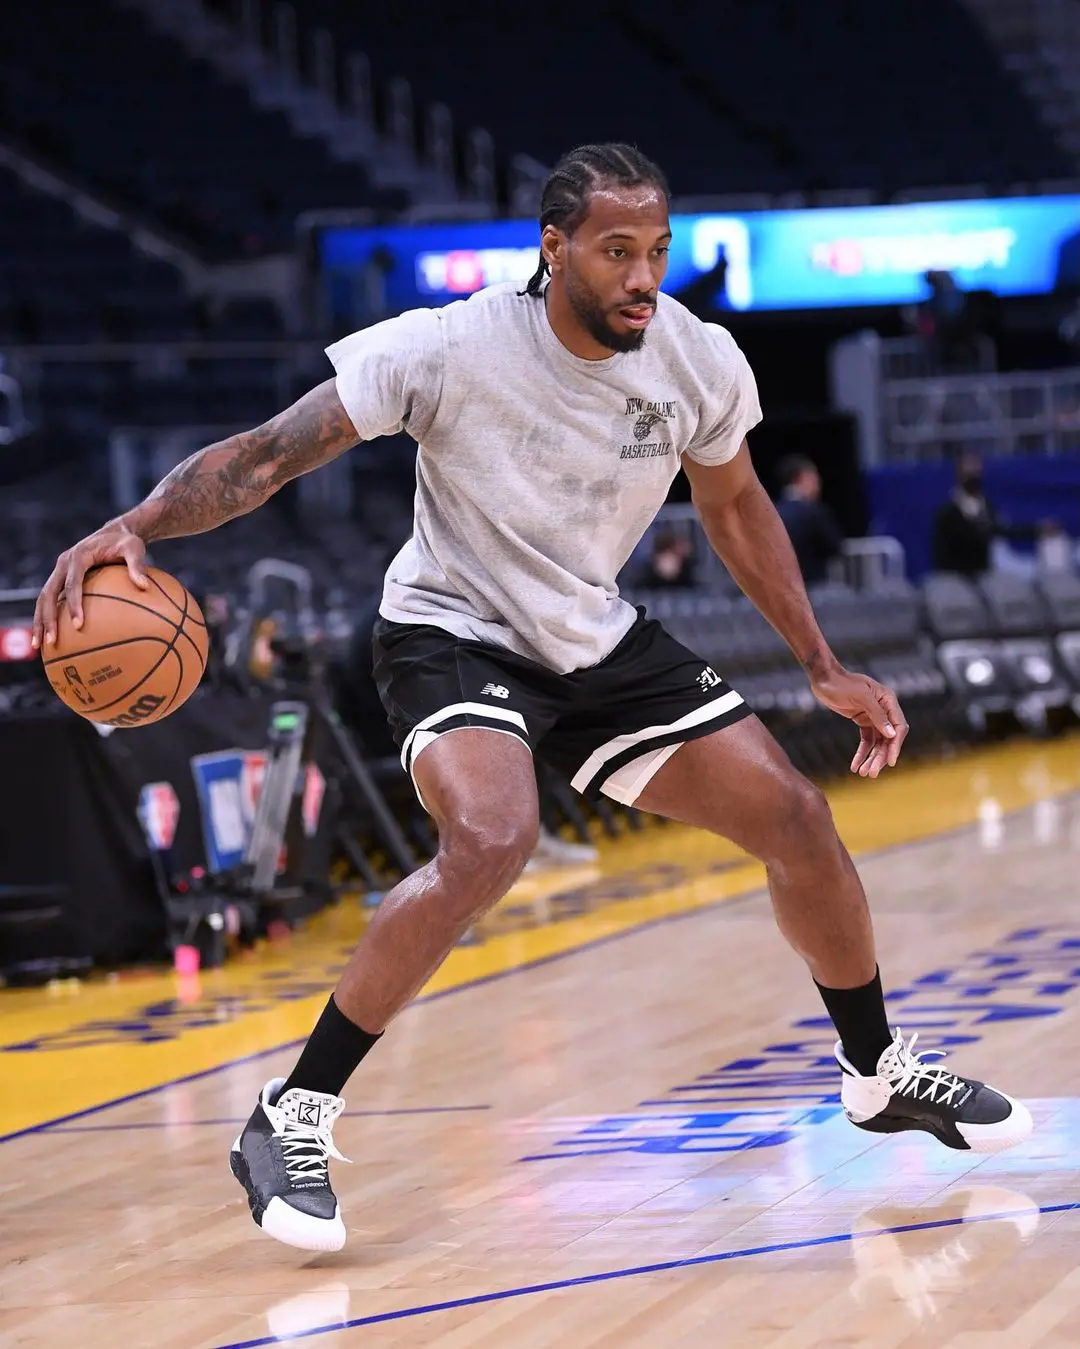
[306, 1150]
[941, 1086]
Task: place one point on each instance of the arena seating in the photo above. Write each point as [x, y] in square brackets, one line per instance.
[731, 98]
[885, 96]
[1004, 646]
[158, 131]
[65, 281]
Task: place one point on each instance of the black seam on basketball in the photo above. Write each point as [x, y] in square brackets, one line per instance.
[184, 616]
[106, 646]
[179, 681]
[162, 591]
[194, 643]
[122, 599]
[184, 611]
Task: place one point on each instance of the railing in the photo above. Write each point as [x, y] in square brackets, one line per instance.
[991, 414]
[908, 413]
[345, 85]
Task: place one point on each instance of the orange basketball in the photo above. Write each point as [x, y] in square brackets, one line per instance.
[139, 654]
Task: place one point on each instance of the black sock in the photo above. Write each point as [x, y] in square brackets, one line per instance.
[861, 1022]
[331, 1055]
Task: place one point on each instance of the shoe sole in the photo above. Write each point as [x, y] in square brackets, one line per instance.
[283, 1222]
[983, 1138]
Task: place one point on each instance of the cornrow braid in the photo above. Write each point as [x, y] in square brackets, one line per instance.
[564, 201]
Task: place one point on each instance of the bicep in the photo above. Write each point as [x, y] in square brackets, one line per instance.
[715, 487]
[310, 433]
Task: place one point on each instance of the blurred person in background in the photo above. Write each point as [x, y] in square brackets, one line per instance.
[967, 525]
[1055, 551]
[947, 323]
[671, 563]
[811, 525]
[706, 295]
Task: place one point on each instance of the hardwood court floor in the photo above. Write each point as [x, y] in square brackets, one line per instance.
[611, 1123]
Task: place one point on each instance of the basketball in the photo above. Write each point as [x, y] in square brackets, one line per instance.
[139, 654]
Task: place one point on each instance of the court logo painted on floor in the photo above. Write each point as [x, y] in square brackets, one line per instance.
[773, 1097]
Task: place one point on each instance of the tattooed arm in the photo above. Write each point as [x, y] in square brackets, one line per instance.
[214, 485]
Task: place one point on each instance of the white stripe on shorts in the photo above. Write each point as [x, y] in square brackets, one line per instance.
[426, 738]
[594, 764]
[456, 710]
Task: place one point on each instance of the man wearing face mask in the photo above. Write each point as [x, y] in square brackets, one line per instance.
[967, 524]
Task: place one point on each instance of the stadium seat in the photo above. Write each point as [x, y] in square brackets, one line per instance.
[1061, 596]
[954, 609]
[1014, 604]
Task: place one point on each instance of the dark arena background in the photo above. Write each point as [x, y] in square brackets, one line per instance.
[612, 1119]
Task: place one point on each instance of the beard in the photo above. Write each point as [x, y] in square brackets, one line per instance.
[592, 316]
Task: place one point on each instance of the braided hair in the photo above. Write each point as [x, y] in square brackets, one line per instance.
[565, 199]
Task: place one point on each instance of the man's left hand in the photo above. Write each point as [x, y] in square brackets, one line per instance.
[873, 708]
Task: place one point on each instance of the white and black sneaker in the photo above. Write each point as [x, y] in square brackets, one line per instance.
[282, 1160]
[907, 1093]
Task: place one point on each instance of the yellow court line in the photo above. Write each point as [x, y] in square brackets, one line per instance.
[272, 996]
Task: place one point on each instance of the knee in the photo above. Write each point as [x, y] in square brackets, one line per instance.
[802, 826]
[489, 850]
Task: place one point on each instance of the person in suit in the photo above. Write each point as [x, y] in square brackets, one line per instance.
[968, 523]
[811, 525]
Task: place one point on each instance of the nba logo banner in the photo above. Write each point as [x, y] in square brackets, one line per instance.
[159, 814]
[220, 784]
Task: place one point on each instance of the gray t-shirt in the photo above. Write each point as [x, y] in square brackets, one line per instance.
[538, 472]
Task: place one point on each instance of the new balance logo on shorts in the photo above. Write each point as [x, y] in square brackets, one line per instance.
[708, 679]
[495, 691]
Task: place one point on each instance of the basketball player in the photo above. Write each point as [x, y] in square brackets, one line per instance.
[551, 422]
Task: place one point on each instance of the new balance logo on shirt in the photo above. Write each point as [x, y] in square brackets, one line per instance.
[494, 691]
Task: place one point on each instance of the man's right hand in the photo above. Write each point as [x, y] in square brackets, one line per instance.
[112, 543]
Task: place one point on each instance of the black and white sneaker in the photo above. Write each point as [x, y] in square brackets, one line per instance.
[907, 1093]
[282, 1160]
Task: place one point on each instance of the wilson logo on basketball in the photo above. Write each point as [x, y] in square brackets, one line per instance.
[145, 708]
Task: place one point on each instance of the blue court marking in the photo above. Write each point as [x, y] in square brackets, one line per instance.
[661, 1267]
[927, 839]
[191, 1123]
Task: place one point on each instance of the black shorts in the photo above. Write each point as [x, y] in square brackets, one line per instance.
[607, 728]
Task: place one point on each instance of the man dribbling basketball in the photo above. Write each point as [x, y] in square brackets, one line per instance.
[551, 423]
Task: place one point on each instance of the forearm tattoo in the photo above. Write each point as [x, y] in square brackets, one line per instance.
[236, 475]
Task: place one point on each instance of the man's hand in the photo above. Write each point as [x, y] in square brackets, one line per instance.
[114, 542]
[873, 708]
